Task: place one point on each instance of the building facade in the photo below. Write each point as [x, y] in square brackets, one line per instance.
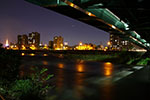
[58, 43]
[22, 40]
[116, 43]
[34, 39]
[25, 42]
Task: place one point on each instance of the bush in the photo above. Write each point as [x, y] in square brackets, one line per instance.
[31, 88]
[143, 61]
[27, 88]
[9, 65]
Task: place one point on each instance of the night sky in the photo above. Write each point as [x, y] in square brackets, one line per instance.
[20, 17]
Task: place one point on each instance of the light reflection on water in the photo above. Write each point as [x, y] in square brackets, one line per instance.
[45, 62]
[108, 68]
[67, 78]
[22, 54]
[107, 90]
[73, 75]
[80, 67]
[79, 82]
[32, 54]
[59, 80]
[60, 65]
[45, 54]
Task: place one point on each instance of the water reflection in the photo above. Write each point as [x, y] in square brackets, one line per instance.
[60, 80]
[76, 77]
[32, 54]
[79, 79]
[80, 66]
[60, 65]
[60, 77]
[108, 68]
[45, 54]
[22, 54]
[79, 85]
[107, 91]
[45, 62]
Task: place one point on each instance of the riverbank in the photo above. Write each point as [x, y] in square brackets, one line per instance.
[116, 57]
[124, 57]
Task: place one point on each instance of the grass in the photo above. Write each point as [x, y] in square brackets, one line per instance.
[143, 61]
[96, 57]
[130, 58]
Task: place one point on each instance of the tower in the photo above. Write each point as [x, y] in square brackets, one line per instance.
[34, 39]
[58, 43]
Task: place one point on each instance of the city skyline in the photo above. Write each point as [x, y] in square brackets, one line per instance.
[24, 39]
[20, 17]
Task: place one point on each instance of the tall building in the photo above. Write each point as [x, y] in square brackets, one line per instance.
[34, 39]
[51, 44]
[58, 43]
[22, 41]
[116, 43]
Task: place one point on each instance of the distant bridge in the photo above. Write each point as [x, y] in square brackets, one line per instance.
[100, 14]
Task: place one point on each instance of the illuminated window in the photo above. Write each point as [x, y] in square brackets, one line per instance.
[34, 41]
[126, 42]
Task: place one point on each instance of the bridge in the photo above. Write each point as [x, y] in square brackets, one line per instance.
[128, 19]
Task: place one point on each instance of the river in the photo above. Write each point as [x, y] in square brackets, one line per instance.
[78, 80]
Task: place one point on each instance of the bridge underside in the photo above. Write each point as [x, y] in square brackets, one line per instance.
[129, 20]
[76, 14]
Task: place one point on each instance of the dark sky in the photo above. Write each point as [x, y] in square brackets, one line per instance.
[21, 17]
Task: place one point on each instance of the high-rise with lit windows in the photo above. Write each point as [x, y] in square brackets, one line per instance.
[116, 43]
[58, 43]
[34, 39]
[22, 41]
